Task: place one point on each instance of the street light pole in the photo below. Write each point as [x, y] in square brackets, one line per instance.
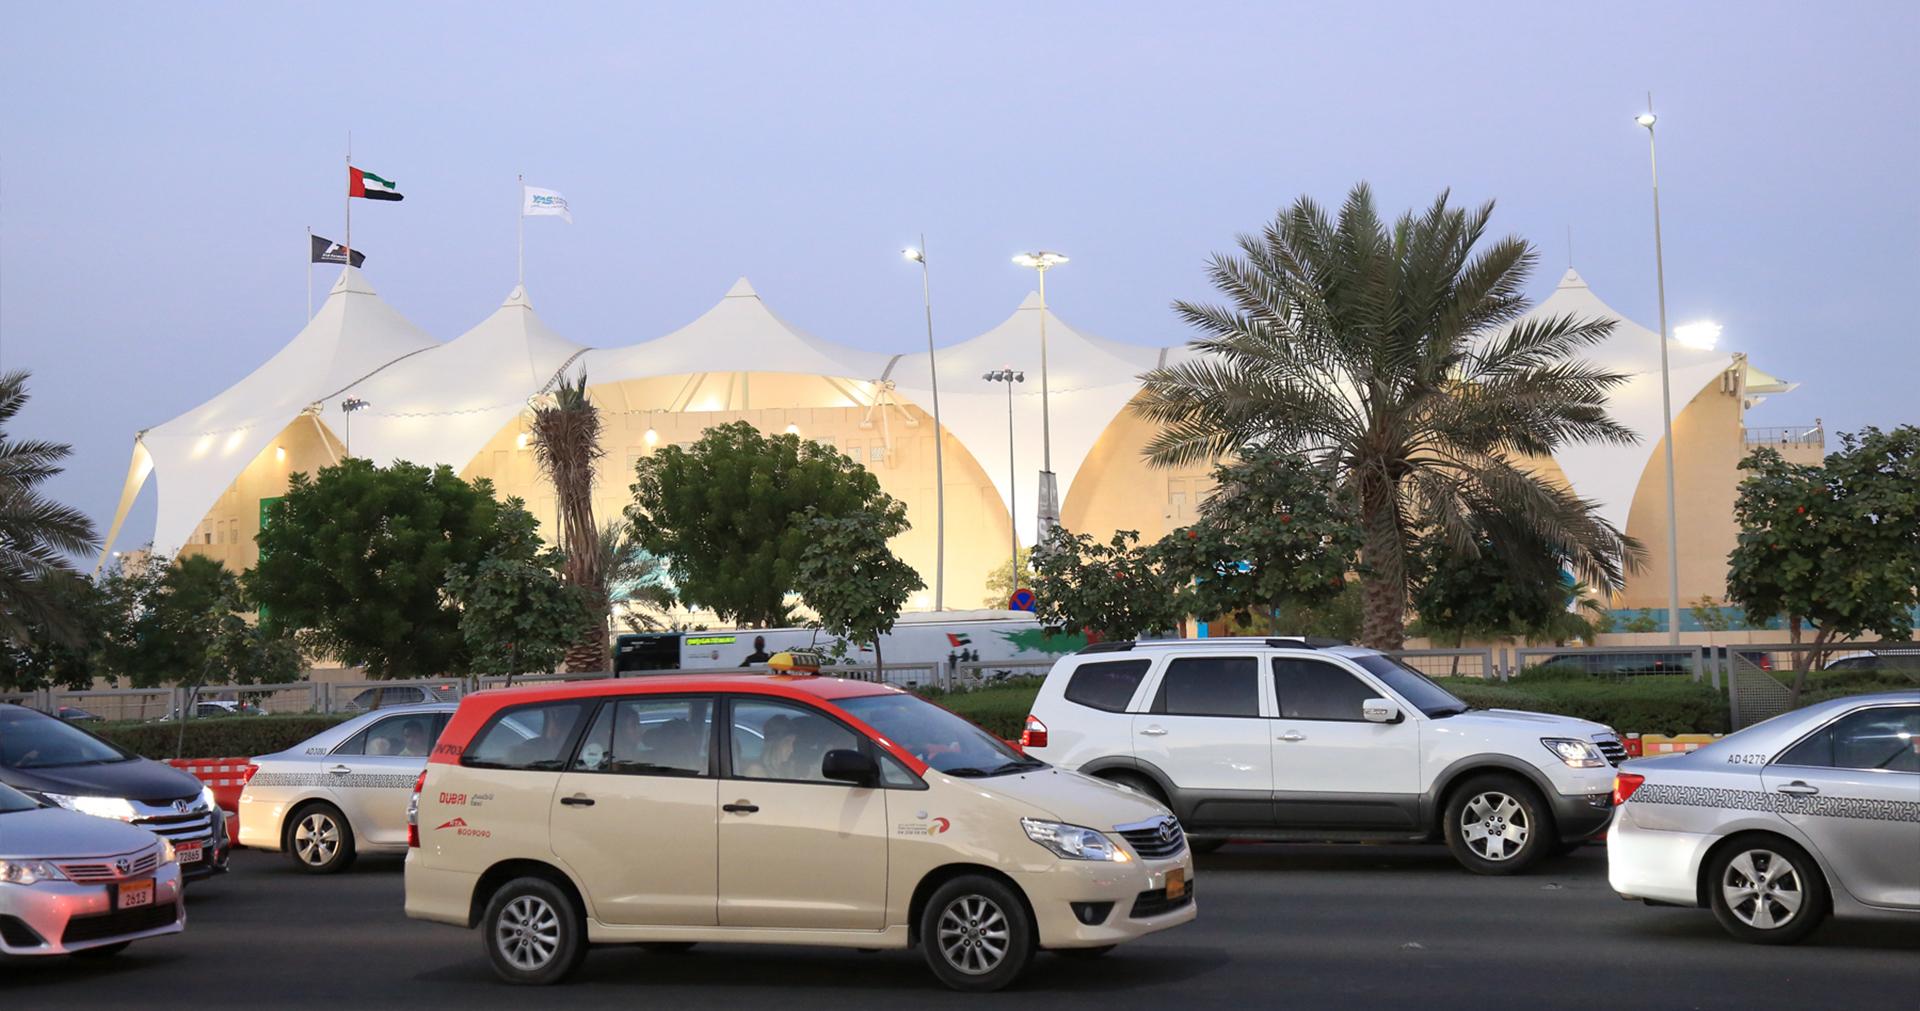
[1666, 387]
[939, 437]
[1049, 508]
[1009, 376]
[347, 407]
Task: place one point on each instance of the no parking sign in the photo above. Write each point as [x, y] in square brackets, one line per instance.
[1023, 601]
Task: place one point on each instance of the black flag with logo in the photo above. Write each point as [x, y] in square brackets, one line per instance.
[329, 251]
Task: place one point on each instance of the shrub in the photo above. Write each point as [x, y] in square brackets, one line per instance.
[1000, 708]
[221, 737]
[1647, 704]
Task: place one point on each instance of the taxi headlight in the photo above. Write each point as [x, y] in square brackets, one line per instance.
[1575, 752]
[1072, 841]
[117, 808]
[26, 872]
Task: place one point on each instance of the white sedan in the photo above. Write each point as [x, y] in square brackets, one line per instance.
[342, 792]
[1780, 824]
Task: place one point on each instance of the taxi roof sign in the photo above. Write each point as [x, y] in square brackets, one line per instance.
[795, 661]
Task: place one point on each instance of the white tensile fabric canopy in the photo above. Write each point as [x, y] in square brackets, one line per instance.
[198, 454]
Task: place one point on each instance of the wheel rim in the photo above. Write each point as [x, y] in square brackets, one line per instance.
[1762, 889]
[527, 933]
[316, 840]
[974, 934]
[1495, 826]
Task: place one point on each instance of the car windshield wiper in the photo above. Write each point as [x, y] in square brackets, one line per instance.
[1019, 765]
[964, 772]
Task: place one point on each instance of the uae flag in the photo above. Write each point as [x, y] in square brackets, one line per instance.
[959, 640]
[366, 184]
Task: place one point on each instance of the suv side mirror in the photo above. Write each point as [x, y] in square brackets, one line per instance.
[1380, 711]
[848, 766]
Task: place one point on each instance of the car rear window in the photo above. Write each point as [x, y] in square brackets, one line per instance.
[1885, 738]
[1107, 686]
[538, 736]
[409, 736]
[1210, 686]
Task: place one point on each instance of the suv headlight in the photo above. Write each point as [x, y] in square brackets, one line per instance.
[26, 872]
[117, 808]
[1575, 752]
[1072, 841]
[207, 799]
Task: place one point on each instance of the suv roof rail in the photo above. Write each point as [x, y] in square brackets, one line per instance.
[1273, 642]
[1108, 647]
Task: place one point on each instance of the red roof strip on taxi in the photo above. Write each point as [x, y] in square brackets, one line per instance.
[476, 709]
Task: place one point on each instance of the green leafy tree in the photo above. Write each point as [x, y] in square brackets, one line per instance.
[1706, 611]
[1835, 546]
[850, 578]
[1642, 621]
[357, 560]
[518, 615]
[1393, 356]
[1479, 593]
[1117, 590]
[37, 536]
[1000, 581]
[1271, 537]
[729, 515]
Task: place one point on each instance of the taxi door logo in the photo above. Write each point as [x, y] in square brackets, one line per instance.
[939, 825]
[459, 827]
[933, 827]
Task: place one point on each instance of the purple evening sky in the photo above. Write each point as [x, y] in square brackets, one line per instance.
[159, 166]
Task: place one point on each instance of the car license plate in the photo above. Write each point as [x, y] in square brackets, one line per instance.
[134, 893]
[1176, 883]
[187, 853]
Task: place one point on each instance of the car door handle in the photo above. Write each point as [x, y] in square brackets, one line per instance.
[740, 808]
[1293, 735]
[1153, 732]
[1799, 787]
[577, 801]
[340, 770]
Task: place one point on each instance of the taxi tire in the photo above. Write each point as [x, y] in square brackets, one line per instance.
[1499, 793]
[550, 913]
[314, 816]
[1814, 899]
[976, 900]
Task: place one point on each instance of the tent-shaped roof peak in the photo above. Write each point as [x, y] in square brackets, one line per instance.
[1572, 280]
[518, 297]
[739, 333]
[1032, 301]
[742, 289]
[352, 280]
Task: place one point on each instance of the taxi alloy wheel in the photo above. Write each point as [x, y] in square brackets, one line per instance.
[321, 841]
[1767, 891]
[534, 932]
[977, 933]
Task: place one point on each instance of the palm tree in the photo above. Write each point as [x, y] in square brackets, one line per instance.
[1392, 358]
[37, 534]
[637, 588]
[566, 444]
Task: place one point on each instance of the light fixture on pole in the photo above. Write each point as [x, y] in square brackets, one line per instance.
[1010, 377]
[347, 407]
[1049, 509]
[1647, 119]
[939, 436]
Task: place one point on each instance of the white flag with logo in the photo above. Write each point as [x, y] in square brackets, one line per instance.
[541, 201]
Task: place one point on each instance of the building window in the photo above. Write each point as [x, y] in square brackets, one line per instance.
[879, 452]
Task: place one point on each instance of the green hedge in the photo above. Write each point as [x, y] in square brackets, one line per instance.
[1643, 704]
[221, 737]
[1001, 708]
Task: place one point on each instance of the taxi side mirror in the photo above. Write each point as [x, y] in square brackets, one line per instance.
[1380, 711]
[848, 766]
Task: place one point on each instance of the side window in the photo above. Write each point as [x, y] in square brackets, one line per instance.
[1210, 686]
[529, 737]
[895, 776]
[1316, 690]
[649, 737]
[778, 740]
[1108, 685]
[409, 736]
[1886, 738]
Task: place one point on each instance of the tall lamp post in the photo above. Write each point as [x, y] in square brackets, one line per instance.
[1049, 509]
[1010, 377]
[347, 407]
[1647, 119]
[939, 436]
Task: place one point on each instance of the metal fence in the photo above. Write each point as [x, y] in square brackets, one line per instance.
[1621, 660]
[364, 696]
[976, 673]
[117, 703]
[1460, 663]
[503, 681]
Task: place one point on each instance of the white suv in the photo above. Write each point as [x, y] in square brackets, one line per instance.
[1282, 739]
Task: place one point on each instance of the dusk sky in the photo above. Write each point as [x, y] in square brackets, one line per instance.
[160, 164]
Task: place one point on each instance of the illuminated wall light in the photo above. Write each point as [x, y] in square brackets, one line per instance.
[1698, 335]
[793, 429]
[280, 454]
[651, 437]
[523, 440]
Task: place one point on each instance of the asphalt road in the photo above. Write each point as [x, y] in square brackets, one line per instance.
[1279, 927]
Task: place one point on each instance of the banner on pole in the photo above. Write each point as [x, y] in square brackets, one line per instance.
[541, 201]
[329, 251]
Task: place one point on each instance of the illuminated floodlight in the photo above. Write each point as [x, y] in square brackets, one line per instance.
[1701, 335]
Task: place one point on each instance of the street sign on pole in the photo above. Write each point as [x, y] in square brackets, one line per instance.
[1023, 601]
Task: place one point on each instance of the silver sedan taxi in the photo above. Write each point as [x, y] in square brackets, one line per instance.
[1775, 827]
[343, 792]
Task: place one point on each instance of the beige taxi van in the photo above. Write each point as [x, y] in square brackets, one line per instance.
[779, 809]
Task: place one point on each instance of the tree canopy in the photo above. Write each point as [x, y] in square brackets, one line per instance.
[357, 559]
[729, 516]
[37, 535]
[1116, 590]
[850, 578]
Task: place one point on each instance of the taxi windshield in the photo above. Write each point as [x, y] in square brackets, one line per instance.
[937, 737]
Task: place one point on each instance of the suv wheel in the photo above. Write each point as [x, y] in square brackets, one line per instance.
[1498, 824]
[534, 932]
[320, 840]
[976, 934]
[1766, 890]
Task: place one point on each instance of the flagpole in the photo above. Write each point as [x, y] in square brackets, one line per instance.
[309, 273]
[523, 230]
[349, 249]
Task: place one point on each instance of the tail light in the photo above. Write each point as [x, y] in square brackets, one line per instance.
[1035, 734]
[413, 812]
[1766, 661]
[1624, 783]
[248, 776]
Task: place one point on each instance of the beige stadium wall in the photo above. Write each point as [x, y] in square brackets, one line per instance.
[226, 532]
[1116, 489]
[1709, 441]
